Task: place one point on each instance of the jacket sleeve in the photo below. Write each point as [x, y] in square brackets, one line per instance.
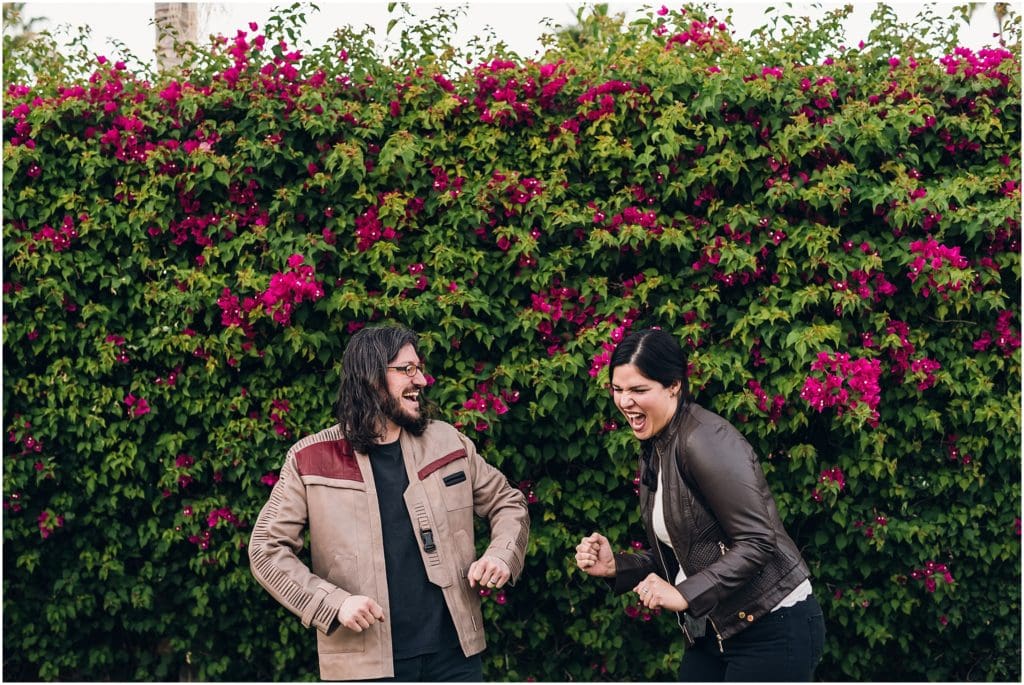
[631, 568]
[277, 539]
[505, 508]
[726, 472]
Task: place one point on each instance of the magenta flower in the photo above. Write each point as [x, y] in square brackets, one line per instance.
[847, 383]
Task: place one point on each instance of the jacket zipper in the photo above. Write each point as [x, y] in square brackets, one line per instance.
[721, 647]
[664, 567]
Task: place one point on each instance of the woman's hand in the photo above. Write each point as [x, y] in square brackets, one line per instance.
[657, 593]
[594, 556]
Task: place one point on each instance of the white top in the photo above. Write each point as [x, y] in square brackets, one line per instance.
[802, 591]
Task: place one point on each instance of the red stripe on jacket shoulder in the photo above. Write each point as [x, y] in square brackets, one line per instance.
[438, 463]
[330, 459]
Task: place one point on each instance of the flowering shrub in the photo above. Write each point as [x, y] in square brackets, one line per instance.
[834, 234]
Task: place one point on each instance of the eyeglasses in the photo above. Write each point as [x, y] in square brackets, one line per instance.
[410, 369]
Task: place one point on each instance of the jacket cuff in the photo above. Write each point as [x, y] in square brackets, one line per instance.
[507, 552]
[325, 616]
[630, 569]
[700, 594]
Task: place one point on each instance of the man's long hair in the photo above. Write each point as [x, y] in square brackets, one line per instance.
[363, 398]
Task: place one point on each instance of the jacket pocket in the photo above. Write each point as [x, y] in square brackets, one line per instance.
[456, 489]
[343, 640]
[344, 573]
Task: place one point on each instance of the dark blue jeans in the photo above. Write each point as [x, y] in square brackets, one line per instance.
[785, 645]
[446, 666]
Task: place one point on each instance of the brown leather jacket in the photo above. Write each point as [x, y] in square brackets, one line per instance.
[327, 487]
[723, 524]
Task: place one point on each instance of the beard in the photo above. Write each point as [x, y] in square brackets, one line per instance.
[403, 419]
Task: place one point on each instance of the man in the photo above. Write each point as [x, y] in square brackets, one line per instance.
[389, 497]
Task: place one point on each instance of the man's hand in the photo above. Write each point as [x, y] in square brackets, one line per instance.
[489, 571]
[358, 613]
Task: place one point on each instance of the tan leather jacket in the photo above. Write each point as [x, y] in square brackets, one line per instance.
[327, 487]
[721, 518]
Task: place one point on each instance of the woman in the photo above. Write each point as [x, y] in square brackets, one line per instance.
[736, 576]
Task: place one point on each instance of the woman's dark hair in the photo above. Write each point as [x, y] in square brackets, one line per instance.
[361, 407]
[656, 354]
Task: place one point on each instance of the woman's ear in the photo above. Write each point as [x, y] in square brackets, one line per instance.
[675, 388]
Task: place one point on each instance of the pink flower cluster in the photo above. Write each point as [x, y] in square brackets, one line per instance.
[932, 257]
[711, 254]
[526, 487]
[603, 96]
[985, 62]
[504, 99]
[639, 611]
[869, 531]
[270, 479]
[832, 478]
[483, 400]
[238, 50]
[222, 514]
[822, 91]
[928, 573]
[230, 309]
[13, 503]
[22, 127]
[558, 304]
[953, 450]
[288, 289]
[278, 408]
[369, 229]
[924, 369]
[773, 408]
[1005, 337]
[117, 341]
[847, 383]
[499, 595]
[60, 240]
[604, 357]
[699, 34]
[137, 406]
[28, 442]
[631, 216]
[442, 180]
[901, 354]
[48, 522]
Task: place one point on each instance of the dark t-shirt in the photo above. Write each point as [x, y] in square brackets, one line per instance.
[420, 622]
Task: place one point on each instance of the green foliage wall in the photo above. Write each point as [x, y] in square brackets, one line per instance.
[834, 233]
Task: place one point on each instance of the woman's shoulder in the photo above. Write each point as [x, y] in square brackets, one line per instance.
[707, 433]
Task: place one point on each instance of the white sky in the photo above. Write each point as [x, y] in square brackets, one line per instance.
[517, 23]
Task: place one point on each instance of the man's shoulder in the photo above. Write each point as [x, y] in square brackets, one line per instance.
[437, 428]
[330, 434]
[326, 453]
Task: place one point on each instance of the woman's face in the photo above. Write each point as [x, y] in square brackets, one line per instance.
[647, 404]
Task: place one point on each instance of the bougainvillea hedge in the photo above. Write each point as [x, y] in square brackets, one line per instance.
[834, 233]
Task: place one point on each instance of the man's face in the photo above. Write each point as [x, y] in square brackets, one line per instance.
[403, 402]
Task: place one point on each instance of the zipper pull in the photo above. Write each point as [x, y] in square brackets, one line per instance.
[721, 648]
[721, 546]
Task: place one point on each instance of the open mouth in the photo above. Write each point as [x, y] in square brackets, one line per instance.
[411, 399]
[636, 421]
